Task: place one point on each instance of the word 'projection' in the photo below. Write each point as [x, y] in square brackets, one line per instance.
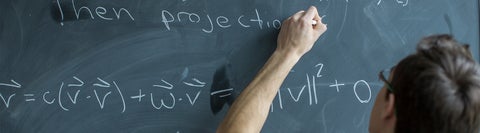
[161, 95]
[168, 17]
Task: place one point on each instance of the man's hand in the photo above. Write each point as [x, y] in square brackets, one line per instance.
[298, 34]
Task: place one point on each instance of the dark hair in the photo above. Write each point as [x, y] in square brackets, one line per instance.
[437, 89]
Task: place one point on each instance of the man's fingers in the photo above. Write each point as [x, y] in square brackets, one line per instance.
[317, 18]
[298, 15]
[300, 12]
[319, 21]
[311, 13]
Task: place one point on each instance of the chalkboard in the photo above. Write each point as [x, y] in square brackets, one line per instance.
[174, 66]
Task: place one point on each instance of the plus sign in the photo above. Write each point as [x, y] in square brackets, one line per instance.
[336, 85]
[139, 96]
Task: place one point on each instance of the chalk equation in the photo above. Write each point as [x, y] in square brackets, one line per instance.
[312, 87]
[100, 92]
[161, 95]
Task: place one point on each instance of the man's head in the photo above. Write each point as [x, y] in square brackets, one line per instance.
[437, 89]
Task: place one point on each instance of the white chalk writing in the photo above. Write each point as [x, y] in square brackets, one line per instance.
[103, 91]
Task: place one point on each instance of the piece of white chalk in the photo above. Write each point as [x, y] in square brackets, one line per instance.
[314, 22]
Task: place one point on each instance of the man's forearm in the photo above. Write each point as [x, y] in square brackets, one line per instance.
[257, 97]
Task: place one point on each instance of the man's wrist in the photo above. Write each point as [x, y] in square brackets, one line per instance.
[289, 55]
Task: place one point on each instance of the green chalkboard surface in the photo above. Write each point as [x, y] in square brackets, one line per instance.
[174, 66]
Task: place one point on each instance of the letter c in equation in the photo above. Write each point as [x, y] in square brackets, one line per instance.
[45, 99]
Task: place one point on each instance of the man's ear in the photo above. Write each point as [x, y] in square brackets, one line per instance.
[389, 107]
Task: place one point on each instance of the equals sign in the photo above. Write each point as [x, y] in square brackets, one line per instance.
[222, 91]
[220, 96]
[29, 99]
